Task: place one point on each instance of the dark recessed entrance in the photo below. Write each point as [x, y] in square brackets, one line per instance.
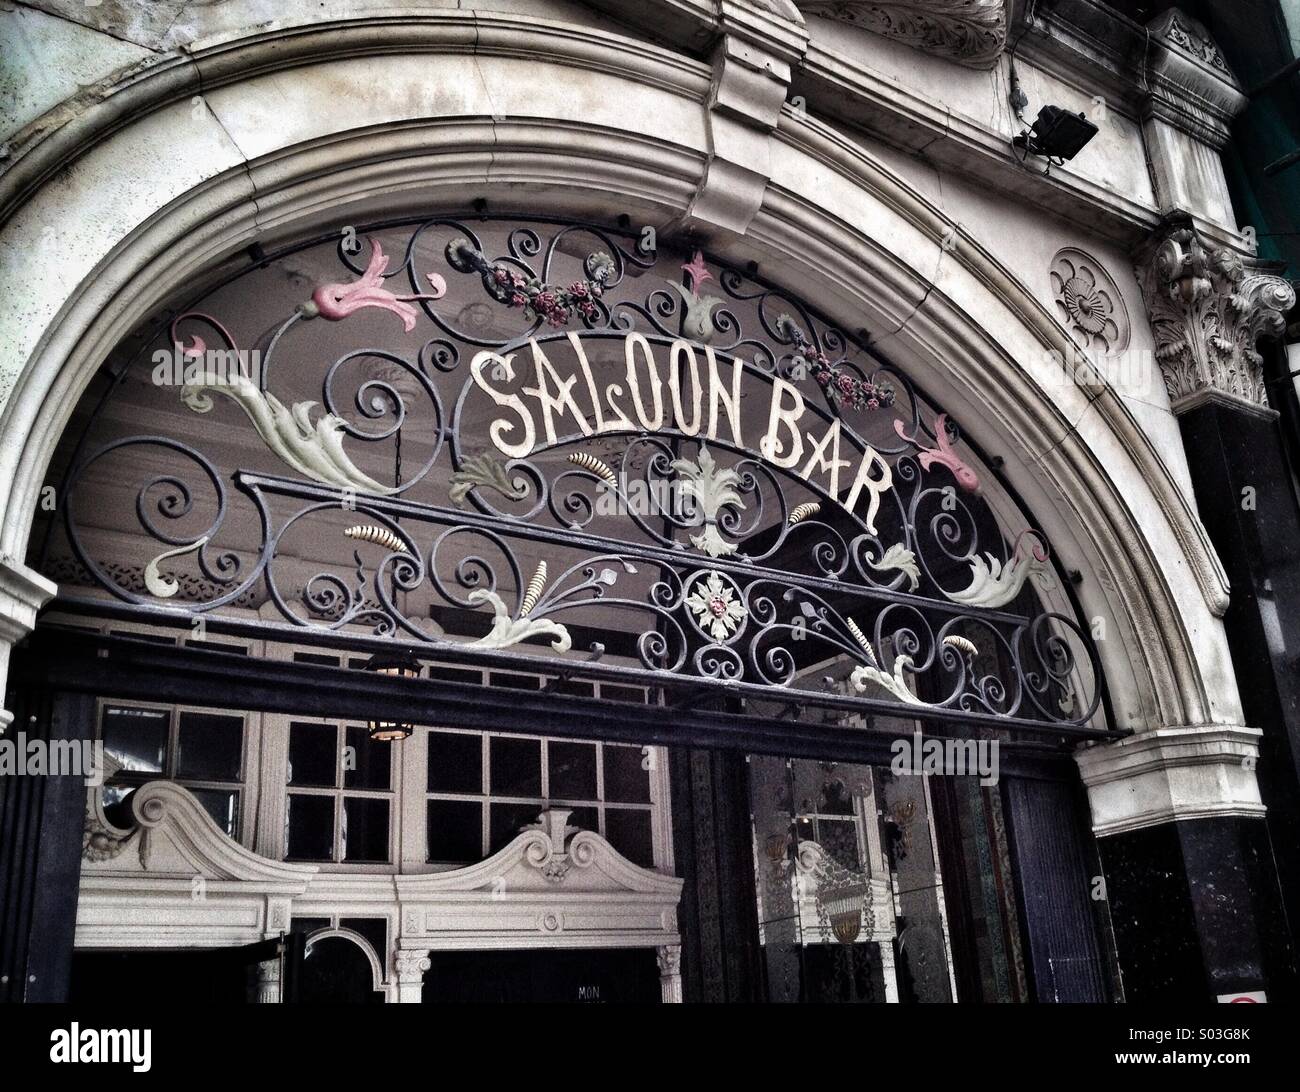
[564, 975]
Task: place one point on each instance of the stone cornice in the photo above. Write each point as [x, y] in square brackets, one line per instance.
[1208, 308]
[1171, 774]
[831, 82]
[970, 32]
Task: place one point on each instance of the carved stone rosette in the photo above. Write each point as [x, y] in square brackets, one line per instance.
[1208, 307]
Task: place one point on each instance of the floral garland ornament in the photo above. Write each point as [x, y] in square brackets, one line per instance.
[842, 388]
[540, 300]
[717, 611]
[713, 487]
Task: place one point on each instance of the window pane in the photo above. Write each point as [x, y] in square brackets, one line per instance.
[455, 831]
[839, 838]
[310, 824]
[622, 693]
[137, 738]
[516, 766]
[210, 746]
[455, 762]
[514, 682]
[628, 831]
[572, 770]
[117, 805]
[365, 829]
[506, 821]
[369, 764]
[312, 755]
[626, 779]
[584, 819]
[223, 806]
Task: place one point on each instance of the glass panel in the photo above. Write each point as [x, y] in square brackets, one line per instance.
[455, 674]
[455, 762]
[516, 766]
[309, 824]
[312, 754]
[365, 829]
[336, 971]
[514, 682]
[137, 738]
[223, 806]
[836, 796]
[622, 693]
[366, 764]
[627, 777]
[572, 768]
[629, 831]
[455, 831]
[839, 838]
[117, 807]
[584, 819]
[210, 746]
[506, 821]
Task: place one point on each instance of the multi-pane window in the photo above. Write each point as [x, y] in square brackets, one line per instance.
[202, 750]
[483, 787]
[340, 799]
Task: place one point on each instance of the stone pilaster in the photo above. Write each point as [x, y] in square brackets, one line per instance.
[410, 964]
[22, 593]
[669, 957]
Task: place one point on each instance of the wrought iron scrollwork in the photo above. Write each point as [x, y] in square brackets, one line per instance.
[721, 561]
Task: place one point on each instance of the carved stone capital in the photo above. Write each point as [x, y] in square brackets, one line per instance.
[411, 964]
[1208, 307]
[970, 32]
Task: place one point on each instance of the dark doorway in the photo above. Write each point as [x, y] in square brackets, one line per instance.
[181, 977]
[588, 975]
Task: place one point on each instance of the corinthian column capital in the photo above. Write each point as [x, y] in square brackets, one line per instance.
[1208, 307]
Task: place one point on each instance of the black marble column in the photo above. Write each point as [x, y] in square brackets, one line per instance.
[41, 821]
[1195, 910]
[1246, 496]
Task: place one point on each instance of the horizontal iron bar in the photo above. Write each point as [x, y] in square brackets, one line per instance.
[437, 514]
[461, 653]
[128, 668]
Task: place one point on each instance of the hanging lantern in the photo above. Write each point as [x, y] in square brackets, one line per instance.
[400, 666]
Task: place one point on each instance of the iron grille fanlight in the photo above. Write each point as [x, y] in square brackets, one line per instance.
[398, 666]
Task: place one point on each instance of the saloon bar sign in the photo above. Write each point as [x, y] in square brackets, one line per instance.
[654, 405]
[575, 454]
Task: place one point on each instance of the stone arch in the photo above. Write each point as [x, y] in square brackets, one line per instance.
[482, 105]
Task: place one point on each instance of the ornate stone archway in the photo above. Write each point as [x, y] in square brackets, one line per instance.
[487, 106]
